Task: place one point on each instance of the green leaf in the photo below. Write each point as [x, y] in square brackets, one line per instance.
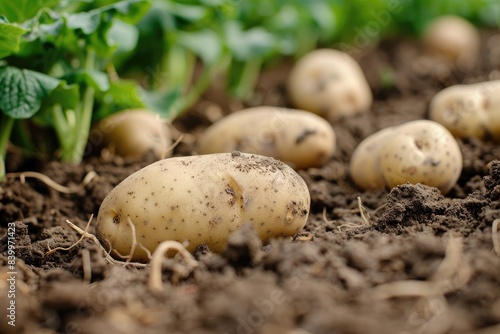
[68, 96]
[65, 31]
[164, 103]
[22, 91]
[123, 35]
[95, 79]
[205, 44]
[188, 12]
[252, 43]
[323, 16]
[123, 94]
[22, 10]
[10, 37]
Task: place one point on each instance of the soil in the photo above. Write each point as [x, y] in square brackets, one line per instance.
[410, 261]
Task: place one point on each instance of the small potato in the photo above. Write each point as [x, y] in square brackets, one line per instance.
[296, 137]
[492, 107]
[329, 83]
[417, 152]
[467, 110]
[203, 199]
[365, 160]
[454, 38]
[133, 133]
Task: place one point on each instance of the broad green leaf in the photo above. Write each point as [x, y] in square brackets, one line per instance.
[123, 35]
[188, 12]
[205, 44]
[95, 79]
[164, 103]
[123, 94]
[22, 91]
[252, 43]
[68, 96]
[10, 37]
[22, 10]
[323, 16]
[65, 31]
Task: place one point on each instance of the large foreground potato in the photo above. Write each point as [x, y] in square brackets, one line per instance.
[203, 199]
[297, 137]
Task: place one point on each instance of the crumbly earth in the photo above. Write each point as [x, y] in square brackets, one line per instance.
[411, 261]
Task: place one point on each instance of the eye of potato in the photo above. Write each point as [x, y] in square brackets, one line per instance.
[116, 219]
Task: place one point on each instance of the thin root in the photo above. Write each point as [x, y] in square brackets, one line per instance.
[380, 208]
[186, 137]
[348, 225]
[87, 266]
[134, 241]
[451, 275]
[448, 267]
[171, 147]
[409, 288]
[363, 212]
[107, 255]
[495, 237]
[148, 253]
[73, 245]
[51, 183]
[155, 278]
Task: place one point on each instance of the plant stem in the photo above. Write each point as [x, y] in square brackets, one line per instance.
[246, 83]
[196, 90]
[74, 148]
[6, 125]
[60, 124]
[175, 68]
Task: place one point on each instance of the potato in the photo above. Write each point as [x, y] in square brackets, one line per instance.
[420, 151]
[296, 137]
[365, 160]
[133, 133]
[203, 199]
[454, 38]
[329, 83]
[468, 110]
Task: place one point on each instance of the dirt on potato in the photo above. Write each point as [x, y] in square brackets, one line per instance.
[408, 260]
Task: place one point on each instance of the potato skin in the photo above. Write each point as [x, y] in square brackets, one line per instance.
[203, 199]
[454, 38]
[420, 151]
[133, 133]
[329, 83]
[468, 110]
[365, 160]
[296, 137]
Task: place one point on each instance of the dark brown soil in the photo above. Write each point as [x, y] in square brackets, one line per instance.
[419, 263]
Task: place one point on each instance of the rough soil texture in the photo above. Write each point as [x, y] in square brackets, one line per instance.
[418, 262]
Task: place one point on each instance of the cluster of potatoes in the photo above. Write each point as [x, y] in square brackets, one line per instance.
[203, 198]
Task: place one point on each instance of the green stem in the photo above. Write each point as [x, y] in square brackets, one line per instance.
[74, 149]
[60, 124]
[6, 125]
[175, 68]
[248, 79]
[200, 86]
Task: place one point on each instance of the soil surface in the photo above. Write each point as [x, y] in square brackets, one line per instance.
[408, 260]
